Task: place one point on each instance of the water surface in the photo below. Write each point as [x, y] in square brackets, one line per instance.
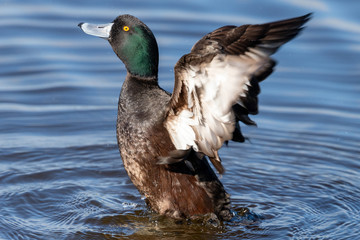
[61, 174]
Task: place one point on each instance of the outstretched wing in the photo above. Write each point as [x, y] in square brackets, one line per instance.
[217, 83]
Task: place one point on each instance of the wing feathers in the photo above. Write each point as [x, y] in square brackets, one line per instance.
[217, 84]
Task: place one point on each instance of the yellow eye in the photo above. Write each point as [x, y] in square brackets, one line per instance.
[126, 28]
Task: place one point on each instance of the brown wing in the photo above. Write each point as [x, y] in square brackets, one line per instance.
[235, 40]
[217, 83]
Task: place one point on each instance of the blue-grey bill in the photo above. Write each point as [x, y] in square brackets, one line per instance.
[102, 30]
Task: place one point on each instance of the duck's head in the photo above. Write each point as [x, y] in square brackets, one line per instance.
[132, 41]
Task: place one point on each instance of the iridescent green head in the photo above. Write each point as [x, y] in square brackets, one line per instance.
[132, 41]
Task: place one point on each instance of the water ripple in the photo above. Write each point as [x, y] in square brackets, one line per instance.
[60, 170]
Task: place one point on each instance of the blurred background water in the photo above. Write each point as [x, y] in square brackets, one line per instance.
[61, 175]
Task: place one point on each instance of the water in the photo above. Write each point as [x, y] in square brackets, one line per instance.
[60, 171]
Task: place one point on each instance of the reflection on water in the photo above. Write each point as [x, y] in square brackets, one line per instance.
[60, 171]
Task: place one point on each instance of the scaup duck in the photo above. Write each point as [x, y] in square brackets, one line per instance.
[164, 138]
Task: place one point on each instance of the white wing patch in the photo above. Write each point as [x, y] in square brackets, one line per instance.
[212, 89]
[181, 130]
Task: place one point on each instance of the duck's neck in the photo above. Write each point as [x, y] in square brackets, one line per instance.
[141, 101]
[136, 92]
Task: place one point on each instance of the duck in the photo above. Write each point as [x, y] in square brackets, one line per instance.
[168, 140]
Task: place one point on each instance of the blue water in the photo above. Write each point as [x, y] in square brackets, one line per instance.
[61, 175]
